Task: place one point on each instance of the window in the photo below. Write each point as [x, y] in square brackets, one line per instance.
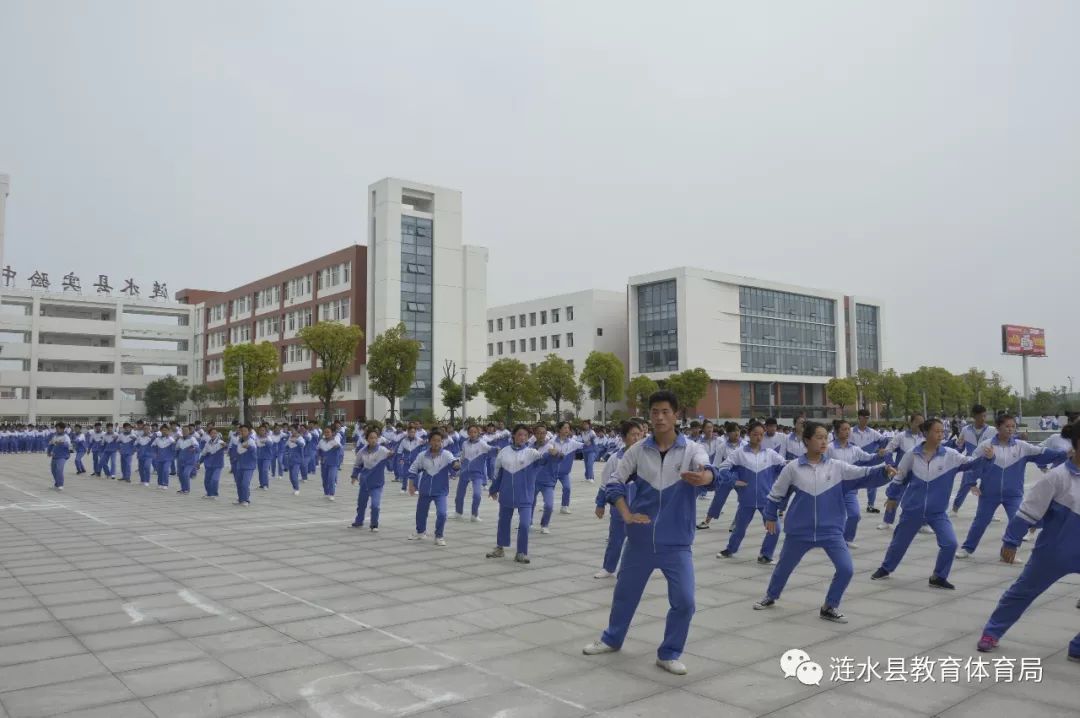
[543, 343]
[532, 366]
[491, 350]
[785, 333]
[599, 331]
[657, 327]
[543, 317]
[554, 341]
[499, 323]
[521, 321]
[498, 346]
[554, 316]
[532, 344]
[569, 314]
[217, 313]
[491, 326]
[513, 344]
[415, 307]
[335, 311]
[512, 320]
[416, 269]
[532, 319]
[569, 340]
[570, 362]
[292, 321]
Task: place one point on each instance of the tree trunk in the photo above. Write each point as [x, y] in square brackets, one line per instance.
[558, 413]
[393, 404]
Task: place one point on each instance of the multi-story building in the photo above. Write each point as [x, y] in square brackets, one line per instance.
[421, 273]
[332, 287]
[570, 326]
[769, 348]
[66, 356]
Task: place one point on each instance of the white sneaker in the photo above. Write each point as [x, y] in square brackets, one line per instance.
[672, 666]
[58, 488]
[591, 481]
[852, 544]
[603, 574]
[962, 553]
[329, 498]
[296, 493]
[883, 526]
[595, 649]
[418, 537]
[925, 530]
[163, 488]
[476, 519]
[374, 529]
[459, 517]
[545, 530]
[564, 509]
[440, 541]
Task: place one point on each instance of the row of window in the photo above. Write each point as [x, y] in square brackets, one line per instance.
[516, 321]
[658, 332]
[333, 277]
[530, 345]
[335, 311]
[866, 336]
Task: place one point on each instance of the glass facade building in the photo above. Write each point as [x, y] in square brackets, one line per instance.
[657, 327]
[866, 335]
[785, 333]
[416, 308]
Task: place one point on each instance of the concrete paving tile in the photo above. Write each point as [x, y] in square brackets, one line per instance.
[126, 709]
[132, 636]
[40, 650]
[52, 670]
[230, 641]
[173, 677]
[353, 645]
[119, 660]
[59, 698]
[298, 685]
[676, 703]
[32, 632]
[272, 659]
[223, 699]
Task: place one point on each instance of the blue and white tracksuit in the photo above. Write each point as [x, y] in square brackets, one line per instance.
[869, 440]
[514, 483]
[616, 526]
[851, 454]
[80, 451]
[97, 446]
[565, 464]
[545, 480]
[968, 440]
[294, 459]
[1055, 501]
[212, 459]
[144, 455]
[430, 474]
[164, 448]
[331, 454]
[923, 485]
[664, 543]
[407, 451]
[815, 517]
[266, 458]
[902, 443]
[1001, 481]
[126, 445]
[59, 449]
[777, 442]
[187, 459]
[247, 462]
[721, 489]
[758, 470]
[590, 450]
[370, 469]
[110, 446]
[794, 446]
[474, 471]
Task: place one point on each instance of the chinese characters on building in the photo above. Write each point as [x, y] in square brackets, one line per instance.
[72, 283]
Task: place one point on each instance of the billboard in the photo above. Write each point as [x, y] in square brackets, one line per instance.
[1023, 341]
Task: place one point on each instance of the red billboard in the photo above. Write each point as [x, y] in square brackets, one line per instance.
[1023, 341]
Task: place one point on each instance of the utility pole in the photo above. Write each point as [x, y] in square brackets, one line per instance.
[240, 394]
[603, 402]
[464, 396]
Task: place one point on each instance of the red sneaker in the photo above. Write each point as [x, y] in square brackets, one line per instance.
[987, 643]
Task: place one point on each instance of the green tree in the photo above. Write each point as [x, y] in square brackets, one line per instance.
[689, 387]
[453, 393]
[841, 392]
[391, 365]
[281, 394]
[556, 380]
[260, 364]
[638, 392]
[163, 396]
[1041, 403]
[334, 345]
[977, 383]
[866, 381]
[890, 389]
[509, 386]
[603, 375]
[200, 395]
[998, 395]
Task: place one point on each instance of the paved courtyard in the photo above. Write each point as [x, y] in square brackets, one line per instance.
[119, 601]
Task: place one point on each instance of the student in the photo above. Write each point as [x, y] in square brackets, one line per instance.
[59, 450]
[474, 472]
[110, 447]
[264, 455]
[370, 470]
[187, 457]
[969, 438]
[567, 446]
[247, 462]
[670, 472]
[293, 457]
[815, 516]
[125, 444]
[893, 451]
[589, 452]
[429, 476]
[314, 436]
[841, 449]
[631, 433]
[709, 439]
[79, 440]
[721, 490]
[794, 446]
[545, 474]
[408, 449]
[514, 487]
[331, 456]
[924, 480]
[164, 448]
[1055, 502]
[773, 439]
[144, 455]
[869, 440]
[1000, 480]
[751, 469]
[234, 443]
[212, 459]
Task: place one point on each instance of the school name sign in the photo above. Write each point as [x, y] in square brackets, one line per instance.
[72, 283]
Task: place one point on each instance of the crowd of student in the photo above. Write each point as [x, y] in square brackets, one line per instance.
[804, 482]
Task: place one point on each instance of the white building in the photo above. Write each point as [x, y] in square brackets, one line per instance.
[421, 273]
[769, 348]
[73, 357]
[570, 326]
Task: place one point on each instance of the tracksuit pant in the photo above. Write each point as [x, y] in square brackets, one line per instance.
[477, 494]
[264, 473]
[637, 565]
[792, 552]
[125, 467]
[589, 456]
[423, 505]
[616, 536]
[851, 503]
[243, 484]
[984, 514]
[186, 470]
[329, 479]
[295, 474]
[56, 466]
[146, 469]
[502, 533]
[564, 479]
[211, 480]
[162, 469]
[717, 504]
[548, 492]
[96, 456]
[366, 494]
[961, 494]
[79, 468]
[871, 495]
[1041, 572]
[743, 516]
[905, 531]
[108, 463]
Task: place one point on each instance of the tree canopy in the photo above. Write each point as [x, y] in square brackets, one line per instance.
[334, 346]
[260, 363]
[508, 385]
[391, 365]
[604, 375]
[555, 378]
[163, 396]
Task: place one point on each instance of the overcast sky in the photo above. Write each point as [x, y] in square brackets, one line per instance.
[927, 154]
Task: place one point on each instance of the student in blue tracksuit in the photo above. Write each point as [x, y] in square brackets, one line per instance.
[670, 473]
[59, 450]
[631, 432]
[314, 436]
[109, 450]
[212, 459]
[1000, 481]
[474, 472]
[247, 463]
[971, 436]
[751, 469]
[813, 486]
[794, 446]
[588, 452]
[429, 476]
[894, 450]
[567, 447]
[773, 439]
[1055, 502]
[408, 449]
[514, 487]
[869, 440]
[370, 471]
[81, 447]
[545, 475]
[126, 444]
[925, 479]
[187, 458]
[164, 448]
[97, 445]
[265, 454]
[842, 449]
[234, 442]
[722, 489]
[293, 457]
[331, 455]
